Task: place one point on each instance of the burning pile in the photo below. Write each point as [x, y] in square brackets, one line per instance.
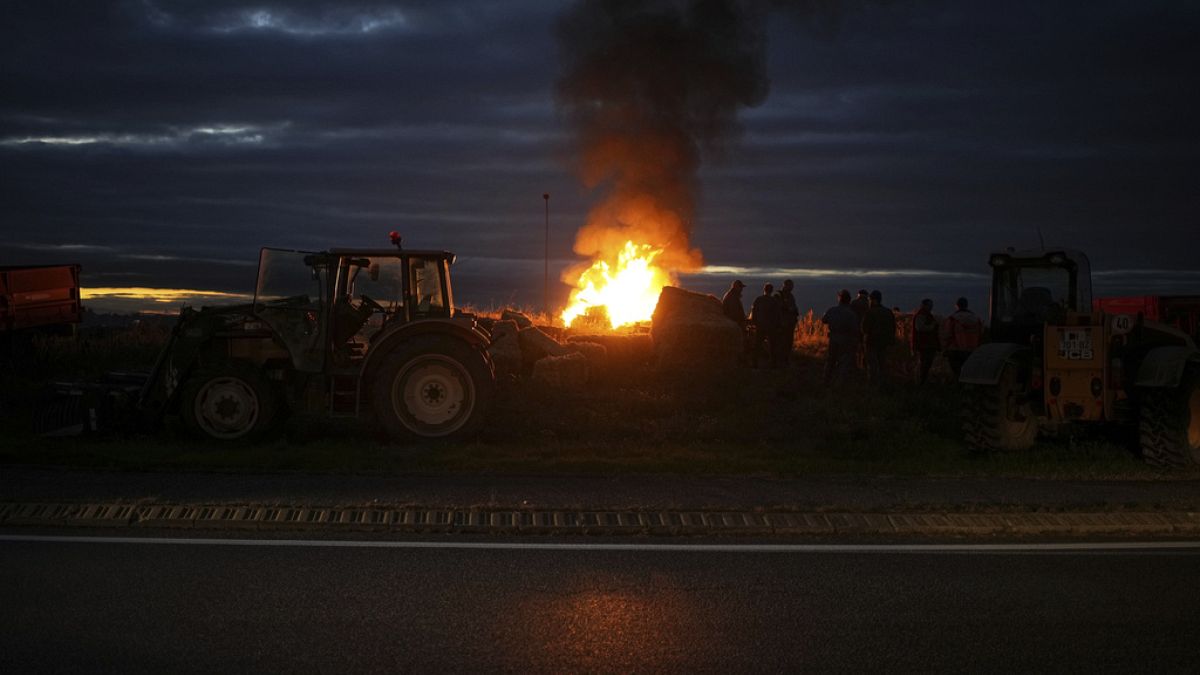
[648, 87]
[619, 293]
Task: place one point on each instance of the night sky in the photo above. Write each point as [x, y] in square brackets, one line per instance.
[162, 143]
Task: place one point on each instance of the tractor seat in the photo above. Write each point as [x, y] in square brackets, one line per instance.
[348, 320]
[1036, 300]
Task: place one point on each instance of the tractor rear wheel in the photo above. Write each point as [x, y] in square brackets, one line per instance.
[230, 402]
[433, 387]
[997, 418]
[1169, 423]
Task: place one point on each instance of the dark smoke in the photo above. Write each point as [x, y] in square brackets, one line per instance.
[649, 88]
[652, 86]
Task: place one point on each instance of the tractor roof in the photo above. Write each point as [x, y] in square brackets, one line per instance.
[1078, 257]
[393, 253]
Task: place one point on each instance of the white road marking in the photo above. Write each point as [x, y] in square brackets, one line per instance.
[1063, 547]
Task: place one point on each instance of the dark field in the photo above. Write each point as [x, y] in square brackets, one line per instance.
[780, 422]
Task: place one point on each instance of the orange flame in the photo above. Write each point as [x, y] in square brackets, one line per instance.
[625, 289]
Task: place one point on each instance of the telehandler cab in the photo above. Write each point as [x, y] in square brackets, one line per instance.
[349, 332]
[1054, 361]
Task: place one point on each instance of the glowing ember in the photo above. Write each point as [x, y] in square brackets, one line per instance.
[626, 289]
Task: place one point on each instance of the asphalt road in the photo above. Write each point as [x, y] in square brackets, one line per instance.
[155, 608]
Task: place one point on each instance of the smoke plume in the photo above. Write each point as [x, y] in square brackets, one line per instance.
[649, 88]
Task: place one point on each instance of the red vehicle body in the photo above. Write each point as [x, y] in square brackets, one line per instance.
[39, 297]
[1181, 311]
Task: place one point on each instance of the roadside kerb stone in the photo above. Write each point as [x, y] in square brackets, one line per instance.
[859, 523]
[975, 523]
[38, 514]
[103, 515]
[1183, 522]
[415, 519]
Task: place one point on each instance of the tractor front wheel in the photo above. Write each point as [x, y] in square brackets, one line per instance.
[433, 388]
[1169, 424]
[230, 402]
[997, 417]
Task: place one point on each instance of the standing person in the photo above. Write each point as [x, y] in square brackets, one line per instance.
[860, 305]
[845, 336]
[963, 331]
[879, 334]
[925, 337]
[731, 303]
[789, 316]
[764, 314]
[732, 307]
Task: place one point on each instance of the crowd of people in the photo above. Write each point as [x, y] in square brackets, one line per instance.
[771, 326]
[862, 331]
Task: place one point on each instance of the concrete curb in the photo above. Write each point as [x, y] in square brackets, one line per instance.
[274, 517]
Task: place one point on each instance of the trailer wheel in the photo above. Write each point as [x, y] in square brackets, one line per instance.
[433, 387]
[995, 418]
[1169, 423]
[230, 402]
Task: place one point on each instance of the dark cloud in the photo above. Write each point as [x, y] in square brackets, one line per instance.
[898, 135]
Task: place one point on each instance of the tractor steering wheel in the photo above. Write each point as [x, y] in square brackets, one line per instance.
[375, 306]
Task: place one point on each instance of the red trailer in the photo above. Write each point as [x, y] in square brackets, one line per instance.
[1181, 311]
[42, 296]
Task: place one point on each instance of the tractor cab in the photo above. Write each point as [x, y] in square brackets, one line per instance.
[328, 308]
[1033, 288]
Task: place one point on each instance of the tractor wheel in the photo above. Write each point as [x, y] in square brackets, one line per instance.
[1169, 424]
[231, 402]
[996, 419]
[433, 387]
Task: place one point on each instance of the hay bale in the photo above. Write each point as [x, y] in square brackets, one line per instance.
[569, 371]
[595, 353]
[622, 351]
[691, 333]
[522, 320]
[505, 348]
[536, 344]
[503, 329]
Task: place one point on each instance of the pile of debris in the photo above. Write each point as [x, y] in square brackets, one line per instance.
[689, 335]
[519, 350]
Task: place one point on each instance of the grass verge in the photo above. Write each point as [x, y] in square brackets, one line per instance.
[779, 423]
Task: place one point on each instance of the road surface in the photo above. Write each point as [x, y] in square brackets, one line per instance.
[174, 606]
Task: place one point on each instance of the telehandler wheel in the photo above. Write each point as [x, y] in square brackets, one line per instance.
[433, 387]
[1169, 423]
[996, 419]
[230, 402]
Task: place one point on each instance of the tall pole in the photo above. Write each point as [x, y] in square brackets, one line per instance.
[546, 269]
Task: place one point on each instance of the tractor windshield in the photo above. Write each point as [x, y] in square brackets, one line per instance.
[1031, 294]
[429, 294]
[286, 280]
[288, 298]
